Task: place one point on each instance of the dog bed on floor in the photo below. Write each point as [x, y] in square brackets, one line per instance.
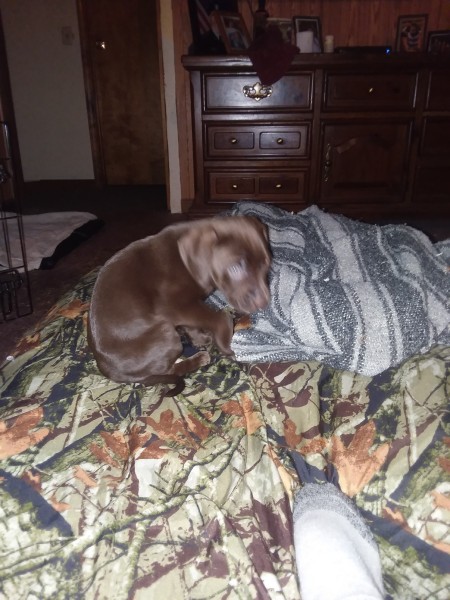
[48, 237]
[115, 490]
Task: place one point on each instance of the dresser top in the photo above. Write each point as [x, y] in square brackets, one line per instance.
[317, 61]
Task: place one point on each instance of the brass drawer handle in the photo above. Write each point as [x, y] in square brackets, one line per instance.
[280, 141]
[234, 186]
[371, 90]
[257, 91]
[233, 140]
[278, 186]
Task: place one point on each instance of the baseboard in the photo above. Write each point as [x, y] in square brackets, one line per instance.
[58, 185]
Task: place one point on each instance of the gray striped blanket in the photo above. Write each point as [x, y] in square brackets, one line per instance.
[354, 296]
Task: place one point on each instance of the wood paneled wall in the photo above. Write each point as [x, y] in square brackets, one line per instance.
[357, 22]
[352, 22]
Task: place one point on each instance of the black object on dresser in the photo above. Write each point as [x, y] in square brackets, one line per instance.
[365, 136]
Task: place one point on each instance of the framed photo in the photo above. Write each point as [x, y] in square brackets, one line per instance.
[286, 26]
[232, 31]
[411, 31]
[439, 42]
[205, 38]
[310, 24]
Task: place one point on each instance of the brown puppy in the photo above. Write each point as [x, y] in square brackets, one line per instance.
[154, 287]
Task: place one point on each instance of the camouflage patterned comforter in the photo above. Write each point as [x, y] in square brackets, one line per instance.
[117, 491]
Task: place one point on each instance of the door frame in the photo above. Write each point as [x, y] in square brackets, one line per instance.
[7, 109]
[91, 96]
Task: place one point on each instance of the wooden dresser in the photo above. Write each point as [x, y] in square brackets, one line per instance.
[364, 136]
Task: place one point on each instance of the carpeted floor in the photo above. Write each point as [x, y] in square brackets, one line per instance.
[128, 214]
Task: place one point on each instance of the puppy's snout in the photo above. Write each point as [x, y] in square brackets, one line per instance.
[257, 298]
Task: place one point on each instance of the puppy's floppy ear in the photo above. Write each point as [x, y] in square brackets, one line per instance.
[262, 227]
[195, 247]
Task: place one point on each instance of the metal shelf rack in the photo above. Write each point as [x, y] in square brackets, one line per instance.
[15, 291]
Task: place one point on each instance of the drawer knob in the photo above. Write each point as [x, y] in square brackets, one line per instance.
[233, 141]
[280, 141]
[234, 186]
[371, 90]
[278, 186]
[257, 91]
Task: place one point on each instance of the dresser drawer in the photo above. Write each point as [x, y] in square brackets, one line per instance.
[284, 185]
[223, 92]
[432, 183]
[231, 184]
[439, 91]
[370, 91]
[277, 187]
[250, 141]
[436, 137]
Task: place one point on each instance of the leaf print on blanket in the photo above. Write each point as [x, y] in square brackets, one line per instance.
[185, 432]
[134, 494]
[357, 463]
[249, 418]
[17, 435]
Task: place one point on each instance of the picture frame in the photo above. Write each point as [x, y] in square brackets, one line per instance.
[205, 38]
[411, 32]
[439, 42]
[310, 24]
[286, 26]
[232, 31]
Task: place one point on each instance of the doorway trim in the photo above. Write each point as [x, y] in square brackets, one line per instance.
[91, 97]
[168, 101]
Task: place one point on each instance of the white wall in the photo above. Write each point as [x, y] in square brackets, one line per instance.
[47, 89]
[168, 59]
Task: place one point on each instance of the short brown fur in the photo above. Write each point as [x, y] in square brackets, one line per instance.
[155, 287]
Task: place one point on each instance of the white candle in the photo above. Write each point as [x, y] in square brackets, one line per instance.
[329, 43]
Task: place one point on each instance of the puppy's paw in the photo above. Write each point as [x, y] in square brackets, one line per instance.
[194, 362]
[243, 322]
[203, 358]
[227, 352]
[224, 333]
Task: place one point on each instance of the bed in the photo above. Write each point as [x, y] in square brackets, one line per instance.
[116, 490]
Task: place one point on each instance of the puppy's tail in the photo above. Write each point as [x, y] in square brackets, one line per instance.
[177, 380]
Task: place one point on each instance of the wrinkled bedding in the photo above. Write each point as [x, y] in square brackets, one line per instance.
[355, 296]
[118, 491]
